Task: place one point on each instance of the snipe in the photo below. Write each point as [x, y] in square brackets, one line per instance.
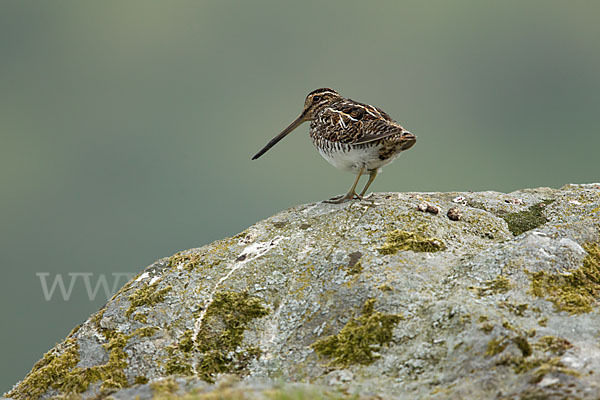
[351, 136]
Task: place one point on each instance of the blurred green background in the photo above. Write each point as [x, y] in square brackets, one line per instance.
[127, 127]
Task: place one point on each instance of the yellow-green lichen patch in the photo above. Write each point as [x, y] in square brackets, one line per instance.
[177, 365]
[552, 365]
[301, 394]
[359, 339]
[355, 269]
[354, 266]
[385, 288]
[225, 391]
[500, 284]
[59, 371]
[49, 372]
[186, 344]
[517, 309]
[575, 291]
[189, 261]
[177, 362]
[95, 319]
[523, 345]
[112, 373]
[486, 327]
[222, 333]
[164, 387]
[140, 317]
[219, 340]
[148, 296]
[527, 220]
[506, 324]
[146, 331]
[540, 364]
[553, 344]
[398, 240]
[497, 345]
[140, 380]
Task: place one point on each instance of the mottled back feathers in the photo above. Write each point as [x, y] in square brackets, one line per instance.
[351, 122]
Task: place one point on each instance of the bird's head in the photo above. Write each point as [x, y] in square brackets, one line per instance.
[315, 102]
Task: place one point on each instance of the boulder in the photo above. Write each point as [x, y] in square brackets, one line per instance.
[401, 295]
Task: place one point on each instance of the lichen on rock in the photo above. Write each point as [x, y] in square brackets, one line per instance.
[148, 296]
[398, 240]
[363, 300]
[219, 338]
[360, 339]
[523, 221]
[58, 370]
[576, 291]
[500, 284]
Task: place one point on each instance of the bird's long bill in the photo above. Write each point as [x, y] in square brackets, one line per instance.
[283, 134]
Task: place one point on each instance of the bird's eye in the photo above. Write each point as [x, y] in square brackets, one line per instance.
[316, 98]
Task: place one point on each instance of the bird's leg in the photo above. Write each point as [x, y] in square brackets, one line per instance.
[351, 193]
[372, 176]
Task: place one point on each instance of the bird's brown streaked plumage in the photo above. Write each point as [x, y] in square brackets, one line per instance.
[350, 135]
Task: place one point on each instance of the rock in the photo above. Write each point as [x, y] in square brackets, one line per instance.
[372, 298]
[454, 214]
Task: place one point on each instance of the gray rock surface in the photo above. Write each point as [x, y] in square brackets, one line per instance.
[385, 297]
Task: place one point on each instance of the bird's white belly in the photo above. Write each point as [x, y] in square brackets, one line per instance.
[352, 159]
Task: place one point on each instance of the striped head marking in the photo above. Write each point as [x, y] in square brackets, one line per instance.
[317, 100]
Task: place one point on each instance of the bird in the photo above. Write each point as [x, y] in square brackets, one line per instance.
[350, 135]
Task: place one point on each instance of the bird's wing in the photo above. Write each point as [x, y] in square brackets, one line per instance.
[352, 122]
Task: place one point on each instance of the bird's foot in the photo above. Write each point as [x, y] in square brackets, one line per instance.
[343, 198]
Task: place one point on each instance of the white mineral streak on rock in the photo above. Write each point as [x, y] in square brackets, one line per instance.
[154, 280]
[142, 276]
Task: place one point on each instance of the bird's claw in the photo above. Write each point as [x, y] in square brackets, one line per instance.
[343, 198]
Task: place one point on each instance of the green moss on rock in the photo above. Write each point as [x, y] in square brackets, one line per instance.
[58, 370]
[49, 372]
[140, 380]
[496, 346]
[354, 265]
[164, 387]
[189, 261]
[553, 344]
[146, 331]
[539, 365]
[523, 345]
[358, 340]
[354, 269]
[527, 220]
[186, 344]
[176, 365]
[398, 240]
[222, 332]
[500, 284]
[219, 338]
[575, 291]
[140, 317]
[517, 309]
[148, 296]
